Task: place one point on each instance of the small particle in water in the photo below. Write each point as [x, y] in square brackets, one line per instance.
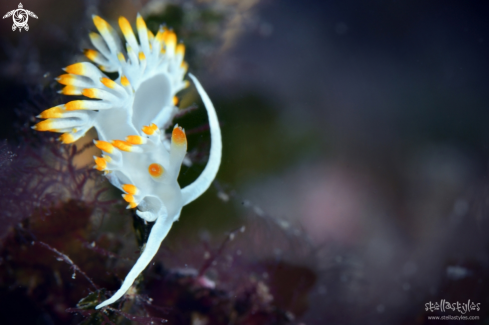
[456, 272]
[322, 290]
[258, 211]
[410, 268]
[223, 196]
[380, 308]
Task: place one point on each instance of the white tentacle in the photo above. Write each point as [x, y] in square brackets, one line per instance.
[202, 183]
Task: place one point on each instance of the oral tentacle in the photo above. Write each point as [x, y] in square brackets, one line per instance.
[202, 183]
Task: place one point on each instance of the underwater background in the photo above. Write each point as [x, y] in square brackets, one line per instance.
[353, 187]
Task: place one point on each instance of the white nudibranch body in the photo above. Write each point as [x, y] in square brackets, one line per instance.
[129, 114]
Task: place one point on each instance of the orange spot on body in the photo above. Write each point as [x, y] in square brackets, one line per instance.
[155, 170]
[142, 56]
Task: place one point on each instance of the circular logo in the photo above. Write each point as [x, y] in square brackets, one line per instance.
[20, 18]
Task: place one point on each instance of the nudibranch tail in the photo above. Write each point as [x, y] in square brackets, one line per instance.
[158, 233]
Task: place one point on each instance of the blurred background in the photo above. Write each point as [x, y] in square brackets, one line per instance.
[355, 156]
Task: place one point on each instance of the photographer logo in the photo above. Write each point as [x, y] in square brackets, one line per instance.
[20, 16]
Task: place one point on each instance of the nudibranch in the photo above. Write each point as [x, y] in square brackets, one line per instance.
[130, 115]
